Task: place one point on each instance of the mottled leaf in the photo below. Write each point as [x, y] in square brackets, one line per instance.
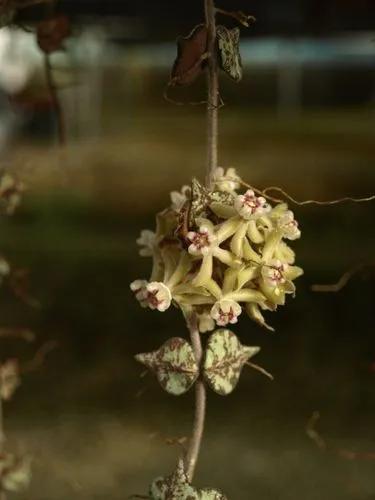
[191, 57]
[177, 487]
[174, 365]
[224, 360]
[15, 472]
[209, 494]
[174, 487]
[229, 52]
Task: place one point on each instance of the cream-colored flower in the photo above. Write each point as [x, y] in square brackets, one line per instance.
[146, 241]
[159, 296]
[249, 206]
[139, 287]
[227, 181]
[155, 295]
[202, 242]
[179, 198]
[274, 273]
[289, 226]
[226, 311]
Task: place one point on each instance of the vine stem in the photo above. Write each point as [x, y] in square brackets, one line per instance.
[55, 101]
[213, 93]
[212, 154]
[200, 400]
[3, 495]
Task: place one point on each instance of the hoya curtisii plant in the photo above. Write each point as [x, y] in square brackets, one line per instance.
[234, 260]
[220, 251]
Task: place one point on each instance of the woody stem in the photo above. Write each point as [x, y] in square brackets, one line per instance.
[55, 100]
[200, 400]
[213, 93]
[3, 495]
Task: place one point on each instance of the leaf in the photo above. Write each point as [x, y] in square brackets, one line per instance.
[229, 51]
[52, 32]
[174, 364]
[209, 494]
[174, 487]
[15, 473]
[191, 57]
[177, 487]
[224, 360]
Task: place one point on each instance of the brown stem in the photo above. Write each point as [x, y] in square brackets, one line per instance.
[55, 101]
[3, 495]
[200, 400]
[213, 93]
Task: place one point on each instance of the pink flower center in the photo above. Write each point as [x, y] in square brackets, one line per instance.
[200, 240]
[152, 298]
[228, 316]
[252, 202]
[276, 274]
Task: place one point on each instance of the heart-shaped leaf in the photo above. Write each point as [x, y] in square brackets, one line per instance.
[174, 364]
[224, 360]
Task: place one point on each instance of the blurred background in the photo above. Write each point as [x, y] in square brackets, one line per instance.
[303, 118]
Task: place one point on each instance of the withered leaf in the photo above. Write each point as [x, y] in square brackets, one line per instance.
[191, 57]
[52, 32]
[229, 51]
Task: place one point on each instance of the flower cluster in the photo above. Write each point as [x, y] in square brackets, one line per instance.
[221, 253]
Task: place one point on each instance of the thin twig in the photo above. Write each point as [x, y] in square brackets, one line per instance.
[322, 444]
[341, 283]
[213, 93]
[239, 16]
[39, 357]
[55, 101]
[260, 370]
[200, 400]
[265, 192]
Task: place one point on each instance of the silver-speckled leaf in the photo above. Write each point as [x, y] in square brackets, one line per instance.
[174, 487]
[174, 364]
[15, 472]
[224, 360]
[209, 494]
[229, 51]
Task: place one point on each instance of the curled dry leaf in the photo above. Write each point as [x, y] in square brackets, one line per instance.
[9, 379]
[174, 365]
[191, 57]
[224, 360]
[15, 472]
[52, 33]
